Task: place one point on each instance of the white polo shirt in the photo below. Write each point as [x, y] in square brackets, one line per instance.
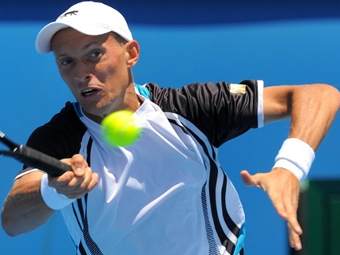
[167, 193]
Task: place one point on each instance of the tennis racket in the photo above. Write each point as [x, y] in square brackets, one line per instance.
[33, 158]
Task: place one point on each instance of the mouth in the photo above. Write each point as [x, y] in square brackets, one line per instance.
[87, 92]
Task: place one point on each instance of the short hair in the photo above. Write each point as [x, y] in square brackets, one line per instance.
[119, 38]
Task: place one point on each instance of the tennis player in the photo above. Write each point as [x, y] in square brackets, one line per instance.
[167, 193]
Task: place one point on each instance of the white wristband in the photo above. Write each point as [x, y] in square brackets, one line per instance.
[296, 156]
[51, 197]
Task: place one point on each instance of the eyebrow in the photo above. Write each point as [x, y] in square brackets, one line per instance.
[86, 46]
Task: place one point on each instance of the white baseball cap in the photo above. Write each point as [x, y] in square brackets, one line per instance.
[90, 18]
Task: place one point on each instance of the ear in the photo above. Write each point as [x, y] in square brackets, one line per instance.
[132, 52]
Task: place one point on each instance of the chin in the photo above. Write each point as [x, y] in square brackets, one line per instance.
[105, 110]
[100, 110]
[110, 107]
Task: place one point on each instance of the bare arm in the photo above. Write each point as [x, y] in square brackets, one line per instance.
[312, 109]
[24, 208]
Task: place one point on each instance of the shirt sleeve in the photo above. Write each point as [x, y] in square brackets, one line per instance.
[59, 138]
[221, 110]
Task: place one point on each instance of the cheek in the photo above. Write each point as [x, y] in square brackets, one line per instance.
[68, 81]
[107, 72]
[113, 68]
[64, 75]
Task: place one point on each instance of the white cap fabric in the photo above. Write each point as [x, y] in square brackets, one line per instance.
[90, 18]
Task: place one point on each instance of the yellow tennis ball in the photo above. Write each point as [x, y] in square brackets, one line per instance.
[120, 128]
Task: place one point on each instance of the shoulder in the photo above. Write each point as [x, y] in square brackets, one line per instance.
[61, 135]
[176, 99]
[221, 110]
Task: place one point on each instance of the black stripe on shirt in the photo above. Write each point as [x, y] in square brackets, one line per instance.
[76, 216]
[228, 220]
[225, 241]
[91, 245]
[81, 249]
[209, 232]
[230, 223]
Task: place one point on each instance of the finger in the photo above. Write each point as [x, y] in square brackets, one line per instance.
[294, 224]
[78, 164]
[76, 193]
[294, 239]
[249, 179]
[62, 180]
[290, 203]
[78, 184]
[81, 182]
[94, 181]
[75, 182]
[87, 179]
[66, 183]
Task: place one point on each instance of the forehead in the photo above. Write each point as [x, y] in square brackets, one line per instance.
[71, 39]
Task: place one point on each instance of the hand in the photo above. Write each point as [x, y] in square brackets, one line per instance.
[283, 189]
[76, 183]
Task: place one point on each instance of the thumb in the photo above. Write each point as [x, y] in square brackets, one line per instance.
[249, 179]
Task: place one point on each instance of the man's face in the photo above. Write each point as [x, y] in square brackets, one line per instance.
[96, 69]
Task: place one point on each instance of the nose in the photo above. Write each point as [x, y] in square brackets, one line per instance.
[86, 78]
[83, 73]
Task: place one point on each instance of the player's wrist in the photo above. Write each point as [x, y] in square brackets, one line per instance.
[51, 197]
[296, 156]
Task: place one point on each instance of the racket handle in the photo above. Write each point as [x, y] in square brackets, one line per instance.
[44, 162]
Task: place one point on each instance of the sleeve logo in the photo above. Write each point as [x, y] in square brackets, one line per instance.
[237, 88]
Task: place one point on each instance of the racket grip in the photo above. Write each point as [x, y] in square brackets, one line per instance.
[44, 162]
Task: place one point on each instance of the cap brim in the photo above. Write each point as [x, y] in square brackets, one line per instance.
[43, 39]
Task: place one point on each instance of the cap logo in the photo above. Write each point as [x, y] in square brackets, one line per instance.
[70, 13]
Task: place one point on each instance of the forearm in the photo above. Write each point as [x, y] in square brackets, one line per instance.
[313, 109]
[24, 208]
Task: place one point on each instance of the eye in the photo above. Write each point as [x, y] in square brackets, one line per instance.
[65, 61]
[95, 54]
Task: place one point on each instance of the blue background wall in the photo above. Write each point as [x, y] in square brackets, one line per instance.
[284, 42]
